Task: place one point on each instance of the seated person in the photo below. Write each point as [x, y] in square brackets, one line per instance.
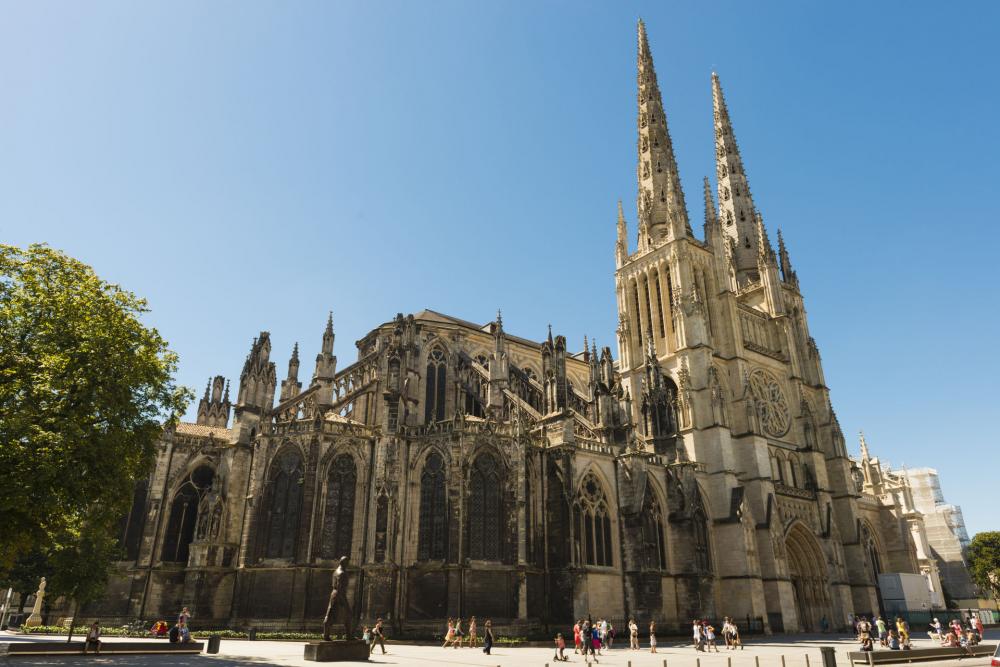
[893, 640]
[950, 639]
[159, 629]
[185, 633]
[93, 639]
[866, 642]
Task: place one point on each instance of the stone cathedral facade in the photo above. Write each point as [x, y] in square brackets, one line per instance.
[697, 469]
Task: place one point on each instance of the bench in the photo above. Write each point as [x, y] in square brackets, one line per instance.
[108, 647]
[921, 654]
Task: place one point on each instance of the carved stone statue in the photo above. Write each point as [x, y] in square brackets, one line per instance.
[339, 608]
[36, 611]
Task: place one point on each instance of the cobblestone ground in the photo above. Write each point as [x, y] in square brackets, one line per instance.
[785, 651]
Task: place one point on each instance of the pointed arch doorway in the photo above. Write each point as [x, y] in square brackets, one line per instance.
[810, 581]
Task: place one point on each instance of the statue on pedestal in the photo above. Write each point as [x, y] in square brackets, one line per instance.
[339, 608]
[36, 611]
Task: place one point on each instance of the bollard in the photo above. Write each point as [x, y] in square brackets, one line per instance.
[756, 661]
[729, 661]
[664, 662]
[782, 660]
[807, 660]
[697, 662]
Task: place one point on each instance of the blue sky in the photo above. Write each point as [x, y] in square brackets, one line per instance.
[252, 165]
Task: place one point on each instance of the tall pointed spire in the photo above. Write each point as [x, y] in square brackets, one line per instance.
[787, 272]
[711, 217]
[765, 252]
[864, 447]
[662, 211]
[737, 210]
[621, 245]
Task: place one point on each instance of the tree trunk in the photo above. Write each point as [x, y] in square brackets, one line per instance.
[72, 621]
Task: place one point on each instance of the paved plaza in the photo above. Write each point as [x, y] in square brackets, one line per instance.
[784, 651]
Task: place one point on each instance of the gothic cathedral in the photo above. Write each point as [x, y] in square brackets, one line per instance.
[698, 470]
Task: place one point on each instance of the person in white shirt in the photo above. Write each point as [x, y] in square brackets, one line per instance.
[93, 639]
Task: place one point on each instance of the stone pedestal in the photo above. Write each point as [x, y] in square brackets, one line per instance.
[346, 650]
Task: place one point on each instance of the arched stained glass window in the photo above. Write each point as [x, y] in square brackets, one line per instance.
[338, 514]
[184, 515]
[432, 543]
[282, 507]
[593, 534]
[133, 524]
[437, 384]
[486, 527]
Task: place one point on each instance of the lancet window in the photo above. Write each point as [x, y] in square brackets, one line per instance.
[702, 552]
[130, 534]
[593, 523]
[282, 507]
[338, 515]
[432, 541]
[486, 528]
[437, 384]
[184, 515]
[653, 542]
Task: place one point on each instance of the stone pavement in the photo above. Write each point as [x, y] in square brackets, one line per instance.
[782, 651]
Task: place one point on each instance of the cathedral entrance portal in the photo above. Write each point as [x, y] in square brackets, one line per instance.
[807, 567]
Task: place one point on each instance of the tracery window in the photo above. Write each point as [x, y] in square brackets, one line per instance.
[871, 551]
[184, 515]
[593, 529]
[485, 509]
[282, 508]
[653, 542]
[558, 519]
[702, 553]
[338, 515]
[130, 534]
[436, 386]
[432, 543]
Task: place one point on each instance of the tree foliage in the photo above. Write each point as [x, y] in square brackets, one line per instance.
[85, 389]
[983, 556]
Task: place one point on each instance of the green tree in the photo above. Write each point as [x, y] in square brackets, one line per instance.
[983, 556]
[85, 390]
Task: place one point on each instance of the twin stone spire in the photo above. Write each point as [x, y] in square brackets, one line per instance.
[662, 210]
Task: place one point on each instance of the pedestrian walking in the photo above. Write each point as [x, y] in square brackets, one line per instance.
[488, 637]
[652, 636]
[473, 630]
[377, 635]
[710, 638]
[633, 635]
[577, 641]
[458, 632]
[696, 636]
[449, 636]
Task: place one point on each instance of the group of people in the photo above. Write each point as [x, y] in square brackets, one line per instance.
[456, 636]
[178, 633]
[703, 635]
[589, 637]
[957, 635]
[374, 635]
[894, 636]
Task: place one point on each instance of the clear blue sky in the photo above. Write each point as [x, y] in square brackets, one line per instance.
[251, 165]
